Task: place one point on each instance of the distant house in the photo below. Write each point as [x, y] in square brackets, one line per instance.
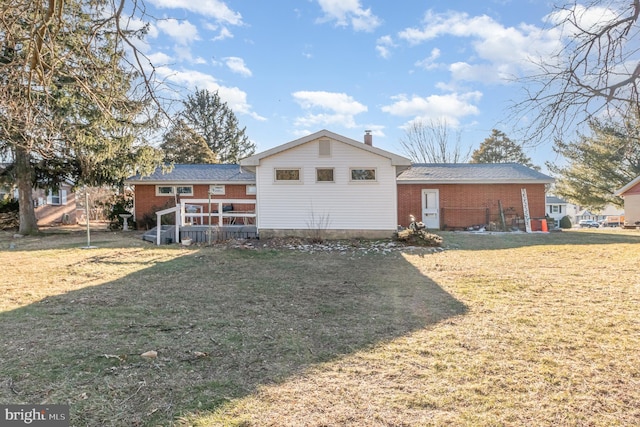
[325, 181]
[52, 206]
[631, 195]
[558, 208]
[162, 189]
[461, 195]
[55, 206]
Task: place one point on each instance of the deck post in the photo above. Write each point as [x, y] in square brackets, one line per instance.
[179, 219]
[158, 229]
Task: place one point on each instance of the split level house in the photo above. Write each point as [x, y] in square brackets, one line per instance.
[344, 188]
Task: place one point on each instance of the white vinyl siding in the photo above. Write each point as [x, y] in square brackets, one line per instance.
[346, 206]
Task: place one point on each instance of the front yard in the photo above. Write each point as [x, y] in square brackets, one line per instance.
[506, 329]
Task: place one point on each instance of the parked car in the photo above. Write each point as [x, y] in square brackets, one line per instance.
[587, 223]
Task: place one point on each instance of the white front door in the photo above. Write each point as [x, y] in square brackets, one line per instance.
[431, 208]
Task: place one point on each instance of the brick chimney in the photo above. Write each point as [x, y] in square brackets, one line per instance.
[368, 138]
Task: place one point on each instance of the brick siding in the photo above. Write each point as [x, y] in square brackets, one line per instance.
[465, 205]
[147, 203]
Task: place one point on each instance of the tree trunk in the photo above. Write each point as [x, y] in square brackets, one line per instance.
[24, 181]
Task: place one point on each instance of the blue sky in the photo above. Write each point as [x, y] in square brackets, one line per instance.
[292, 67]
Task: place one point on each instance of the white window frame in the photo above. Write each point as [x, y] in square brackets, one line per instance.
[57, 197]
[375, 174]
[217, 189]
[173, 190]
[251, 189]
[333, 175]
[287, 181]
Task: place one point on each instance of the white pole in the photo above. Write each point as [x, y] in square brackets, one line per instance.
[86, 210]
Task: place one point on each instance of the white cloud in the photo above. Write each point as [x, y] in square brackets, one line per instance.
[450, 107]
[383, 45]
[349, 12]
[499, 52]
[183, 32]
[224, 34]
[160, 59]
[211, 8]
[429, 62]
[190, 79]
[336, 109]
[237, 65]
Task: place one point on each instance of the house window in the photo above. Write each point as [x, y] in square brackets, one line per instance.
[324, 175]
[217, 190]
[287, 175]
[324, 148]
[363, 174]
[57, 197]
[251, 189]
[554, 208]
[167, 190]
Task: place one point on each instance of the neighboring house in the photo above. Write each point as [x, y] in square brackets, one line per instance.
[52, 207]
[325, 182]
[462, 195]
[631, 195]
[55, 206]
[161, 189]
[587, 215]
[558, 208]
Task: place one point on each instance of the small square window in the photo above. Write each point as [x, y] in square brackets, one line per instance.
[363, 174]
[324, 175]
[251, 189]
[217, 190]
[287, 174]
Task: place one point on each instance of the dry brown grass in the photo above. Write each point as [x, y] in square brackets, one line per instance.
[498, 330]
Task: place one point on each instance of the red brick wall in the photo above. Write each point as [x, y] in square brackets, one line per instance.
[464, 205]
[148, 203]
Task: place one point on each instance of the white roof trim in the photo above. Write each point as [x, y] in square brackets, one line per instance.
[254, 160]
[630, 185]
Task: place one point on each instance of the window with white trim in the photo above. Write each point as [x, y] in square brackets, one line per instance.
[217, 190]
[358, 174]
[287, 175]
[324, 175]
[169, 190]
[57, 196]
[251, 189]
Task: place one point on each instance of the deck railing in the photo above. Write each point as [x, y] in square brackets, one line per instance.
[215, 209]
[213, 212]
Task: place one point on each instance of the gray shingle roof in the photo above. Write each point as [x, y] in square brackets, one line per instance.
[199, 173]
[556, 200]
[472, 173]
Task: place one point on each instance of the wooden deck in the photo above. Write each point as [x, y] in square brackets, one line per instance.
[206, 234]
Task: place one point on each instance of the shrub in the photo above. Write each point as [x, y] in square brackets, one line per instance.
[9, 205]
[419, 237]
[565, 222]
[119, 204]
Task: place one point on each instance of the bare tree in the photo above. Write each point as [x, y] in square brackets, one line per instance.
[595, 74]
[433, 142]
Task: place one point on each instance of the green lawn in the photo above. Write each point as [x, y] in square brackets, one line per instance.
[505, 329]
